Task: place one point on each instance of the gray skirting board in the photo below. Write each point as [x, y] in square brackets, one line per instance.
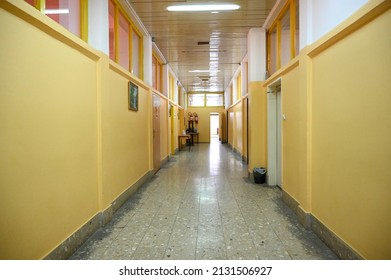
[310, 222]
[76, 240]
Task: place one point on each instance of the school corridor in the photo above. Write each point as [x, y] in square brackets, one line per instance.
[99, 98]
[201, 205]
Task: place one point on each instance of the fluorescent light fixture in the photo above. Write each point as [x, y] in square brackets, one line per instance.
[203, 8]
[57, 12]
[204, 71]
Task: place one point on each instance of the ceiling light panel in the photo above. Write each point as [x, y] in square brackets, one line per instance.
[203, 8]
[177, 35]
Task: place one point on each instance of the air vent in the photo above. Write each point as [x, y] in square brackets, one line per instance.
[203, 78]
[206, 51]
[203, 43]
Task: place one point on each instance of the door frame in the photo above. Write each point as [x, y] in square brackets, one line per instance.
[156, 103]
[214, 115]
[274, 174]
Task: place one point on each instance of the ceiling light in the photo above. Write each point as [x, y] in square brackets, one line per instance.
[56, 12]
[203, 8]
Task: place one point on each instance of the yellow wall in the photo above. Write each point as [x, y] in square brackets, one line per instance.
[173, 127]
[336, 136]
[294, 136]
[203, 120]
[245, 127]
[235, 127]
[258, 125]
[68, 142]
[231, 120]
[125, 135]
[223, 127]
[181, 120]
[164, 144]
[238, 143]
[176, 127]
[48, 165]
[352, 136]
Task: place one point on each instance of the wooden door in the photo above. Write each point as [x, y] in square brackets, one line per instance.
[156, 132]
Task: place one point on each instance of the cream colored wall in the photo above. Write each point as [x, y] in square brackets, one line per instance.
[204, 120]
[352, 136]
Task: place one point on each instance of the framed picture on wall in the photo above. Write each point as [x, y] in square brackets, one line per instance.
[133, 97]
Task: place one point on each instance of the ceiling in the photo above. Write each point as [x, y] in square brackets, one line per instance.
[202, 40]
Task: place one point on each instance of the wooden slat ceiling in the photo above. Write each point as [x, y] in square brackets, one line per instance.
[178, 36]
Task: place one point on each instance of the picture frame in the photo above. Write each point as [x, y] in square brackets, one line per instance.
[133, 97]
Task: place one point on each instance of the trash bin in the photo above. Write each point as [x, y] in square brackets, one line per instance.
[259, 174]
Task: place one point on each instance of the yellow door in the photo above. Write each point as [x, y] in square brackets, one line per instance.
[172, 111]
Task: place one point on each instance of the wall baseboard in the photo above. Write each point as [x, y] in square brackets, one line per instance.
[303, 217]
[164, 161]
[310, 222]
[336, 244]
[70, 245]
[250, 175]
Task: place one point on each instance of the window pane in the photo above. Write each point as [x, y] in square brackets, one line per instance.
[273, 51]
[246, 78]
[123, 42]
[111, 30]
[285, 38]
[136, 54]
[196, 100]
[66, 13]
[214, 100]
[297, 38]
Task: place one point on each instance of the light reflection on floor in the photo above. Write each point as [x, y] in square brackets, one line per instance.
[201, 205]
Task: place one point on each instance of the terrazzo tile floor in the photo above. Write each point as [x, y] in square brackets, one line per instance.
[201, 205]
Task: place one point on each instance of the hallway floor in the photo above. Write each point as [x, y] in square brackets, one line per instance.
[201, 205]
